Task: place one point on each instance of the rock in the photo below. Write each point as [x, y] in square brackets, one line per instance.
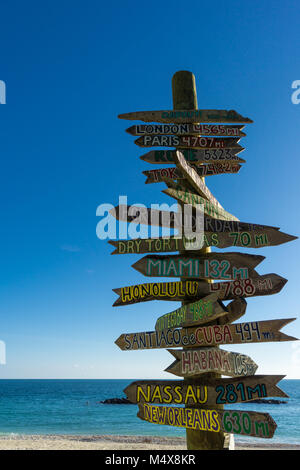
[116, 401]
[268, 401]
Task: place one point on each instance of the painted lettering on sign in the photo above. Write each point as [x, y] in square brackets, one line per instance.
[191, 267]
[171, 394]
[241, 423]
[249, 423]
[182, 194]
[204, 420]
[187, 290]
[240, 287]
[217, 391]
[193, 362]
[187, 141]
[190, 116]
[199, 361]
[194, 156]
[205, 142]
[156, 289]
[202, 309]
[207, 239]
[156, 339]
[210, 335]
[221, 270]
[179, 129]
[236, 393]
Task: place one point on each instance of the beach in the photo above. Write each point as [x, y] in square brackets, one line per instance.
[115, 442]
[70, 415]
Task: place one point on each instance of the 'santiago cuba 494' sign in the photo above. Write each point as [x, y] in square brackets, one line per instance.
[206, 143]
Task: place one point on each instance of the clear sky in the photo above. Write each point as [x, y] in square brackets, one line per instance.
[70, 68]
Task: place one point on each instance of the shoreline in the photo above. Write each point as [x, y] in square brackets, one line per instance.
[117, 442]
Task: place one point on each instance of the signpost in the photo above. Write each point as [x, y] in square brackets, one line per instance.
[194, 156]
[193, 362]
[171, 219]
[214, 392]
[160, 175]
[187, 116]
[191, 290]
[187, 129]
[206, 143]
[211, 265]
[206, 310]
[183, 194]
[255, 239]
[188, 142]
[248, 423]
[204, 336]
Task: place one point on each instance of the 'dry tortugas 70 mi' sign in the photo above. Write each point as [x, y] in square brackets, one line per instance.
[205, 143]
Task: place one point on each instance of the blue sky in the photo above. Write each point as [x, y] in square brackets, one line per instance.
[70, 68]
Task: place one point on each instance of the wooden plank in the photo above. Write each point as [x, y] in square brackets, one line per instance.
[267, 284]
[194, 179]
[203, 311]
[194, 156]
[229, 265]
[187, 129]
[248, 423]
[209, 391]
[159, 175]
[206, 336]
[207, 309]
[188, 142]
[235, 310]
[162, 218]
[187, 116]
[194, 362]
[182, 194]
[255, 239]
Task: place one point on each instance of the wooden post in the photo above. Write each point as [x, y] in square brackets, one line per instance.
[185, 98]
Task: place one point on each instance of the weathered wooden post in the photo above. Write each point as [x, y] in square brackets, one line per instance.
[185, 97]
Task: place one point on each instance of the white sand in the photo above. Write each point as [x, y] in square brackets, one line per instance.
[107, 442]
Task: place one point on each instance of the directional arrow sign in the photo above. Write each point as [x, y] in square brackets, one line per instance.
[194, 156]
[248, 423]
[202, 311]
[194, 362]
[159, 175]
[194, 179]
[207, 309]
[184, 195]
[190, 116]
[209, 265]
[188, 142]
[256, 239]
[171, 219]
[235, 310]
[209, 392]
[192, 290]
[204, 336]
[187, 129]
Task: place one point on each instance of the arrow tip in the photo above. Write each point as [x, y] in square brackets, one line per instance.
[119, 341]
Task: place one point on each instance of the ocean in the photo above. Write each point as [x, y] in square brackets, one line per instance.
[72, 407]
